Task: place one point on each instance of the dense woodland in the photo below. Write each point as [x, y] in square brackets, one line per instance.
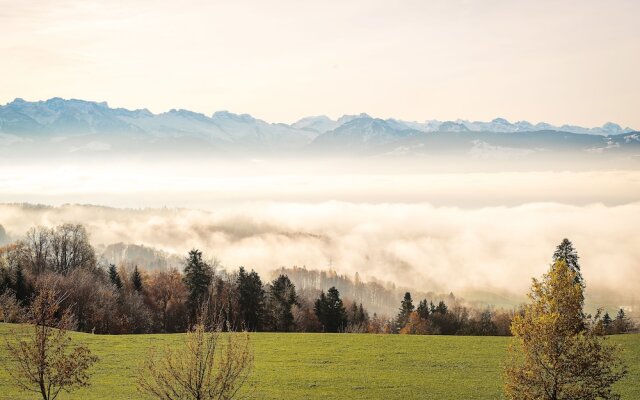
[116, 299]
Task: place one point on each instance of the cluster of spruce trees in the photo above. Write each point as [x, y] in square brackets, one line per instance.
[244, 302]
[439, 319]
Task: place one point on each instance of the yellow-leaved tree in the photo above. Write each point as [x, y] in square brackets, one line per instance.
[558, 352]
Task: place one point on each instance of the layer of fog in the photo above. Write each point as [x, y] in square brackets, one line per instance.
[214, 183]
[490, 249]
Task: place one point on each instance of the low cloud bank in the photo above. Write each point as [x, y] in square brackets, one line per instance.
[494, 249]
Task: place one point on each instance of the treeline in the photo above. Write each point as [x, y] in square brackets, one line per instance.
[118, 299]
[379, 296]
[428, 318]
[110, 299]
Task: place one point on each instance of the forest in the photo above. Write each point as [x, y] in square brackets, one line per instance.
[118, 299]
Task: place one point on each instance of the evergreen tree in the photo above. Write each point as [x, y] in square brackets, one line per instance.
[357, 318]
[441, 308]
[423, 309]
[250, 299]
[5, 280]
[330, 311]
[197, 278]
[352, 315]
[281, 299]
[20, 285]
[136, 280]
[565, 252]
[363, 316]
[114, 277]
[406, 308]
[320, 308]
[485, 325]
[621, 323]
[607, 322]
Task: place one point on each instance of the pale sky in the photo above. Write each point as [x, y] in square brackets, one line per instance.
[561, 62]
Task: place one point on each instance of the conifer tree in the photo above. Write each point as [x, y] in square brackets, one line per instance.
[441, 308]
[363, 317]
[114, 277]
[406, 308]
[353, 313]
[423, 309]
[20, 284]
[251, 299]
[565, 252]
[606, 322]
[330, 311]
[281, 299]
[197, 278]
[622, 324]
[136, 280]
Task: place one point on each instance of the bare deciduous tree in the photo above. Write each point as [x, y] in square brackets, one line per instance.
[45, 362]
[36, 249]
[10, 310]
[210, 365]
[70, 249]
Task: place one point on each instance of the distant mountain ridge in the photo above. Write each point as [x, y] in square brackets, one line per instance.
[86, 126]
[64, 116]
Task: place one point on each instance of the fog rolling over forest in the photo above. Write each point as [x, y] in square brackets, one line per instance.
[479, 253]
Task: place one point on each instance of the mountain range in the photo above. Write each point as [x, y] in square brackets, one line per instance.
[86, 126]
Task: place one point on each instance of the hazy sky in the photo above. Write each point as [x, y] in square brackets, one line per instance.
[558, 61]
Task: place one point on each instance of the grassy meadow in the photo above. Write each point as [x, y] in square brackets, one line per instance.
[296, 366]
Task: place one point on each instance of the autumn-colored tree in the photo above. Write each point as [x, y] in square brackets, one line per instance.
[10, 310]
[415, 325]
[45, 362]
[168, 295]
[552, 357]
[210, 365]
[304, 318]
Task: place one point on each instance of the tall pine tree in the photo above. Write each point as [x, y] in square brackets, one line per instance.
[565, 252]
[281, 299]
[406, 308]
[20, 285]
[114, 277]
[250, 299]
[197, 278]
[423, 309]
[136, 280]
[330, 311]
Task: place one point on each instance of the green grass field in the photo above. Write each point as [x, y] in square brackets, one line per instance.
[307, 366]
